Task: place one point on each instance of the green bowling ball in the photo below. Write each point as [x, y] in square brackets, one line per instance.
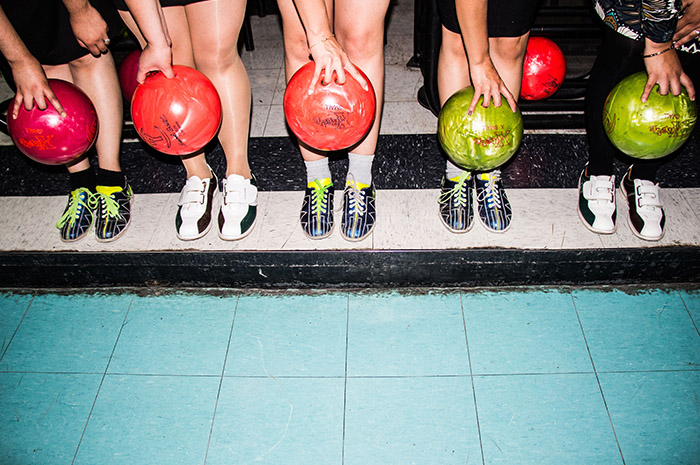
[480, 142]
[647, 130]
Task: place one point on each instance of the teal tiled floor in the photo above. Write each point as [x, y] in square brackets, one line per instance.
[540, 376]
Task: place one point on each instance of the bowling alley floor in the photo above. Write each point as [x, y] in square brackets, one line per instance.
[547, 344]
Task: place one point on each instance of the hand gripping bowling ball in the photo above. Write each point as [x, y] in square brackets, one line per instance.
[127, 74]
[647, 130]
[45, 136]
[480, 142]
[333, 117]
[176, 116]
[544, 69]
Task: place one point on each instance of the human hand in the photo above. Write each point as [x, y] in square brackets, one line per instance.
[90, 29]
[155, 58]
[487, 82]
[32, 86]
[665, 70]
[688, 27]
[329, 57]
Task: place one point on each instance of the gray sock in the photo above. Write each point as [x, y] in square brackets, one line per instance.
[452, 171]
[318, 169]
[360, 168]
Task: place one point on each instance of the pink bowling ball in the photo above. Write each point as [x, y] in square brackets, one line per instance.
[47, 137]
[127, 74]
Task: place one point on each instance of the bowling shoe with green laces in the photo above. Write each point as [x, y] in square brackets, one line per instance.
[494, 208]
[112, 212]
[316, 215]
[455, 200]
[596, 202]
[76, 221]
[359, 212]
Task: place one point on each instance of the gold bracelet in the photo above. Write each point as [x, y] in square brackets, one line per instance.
[332, 36]
[659, 53]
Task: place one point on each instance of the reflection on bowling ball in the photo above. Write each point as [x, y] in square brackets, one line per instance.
[480, 142]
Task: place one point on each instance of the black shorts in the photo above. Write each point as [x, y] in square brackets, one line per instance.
[164, 3]
[506, 18]
[44, 27]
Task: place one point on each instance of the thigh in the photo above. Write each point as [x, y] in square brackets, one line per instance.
[214, 27]
[179, 31]
[360, 18]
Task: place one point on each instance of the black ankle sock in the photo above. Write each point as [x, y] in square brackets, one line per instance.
[110, 178]
[85, 178]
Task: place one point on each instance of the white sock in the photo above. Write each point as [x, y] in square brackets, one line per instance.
[318, 169]
[360, 168]
[452, 171]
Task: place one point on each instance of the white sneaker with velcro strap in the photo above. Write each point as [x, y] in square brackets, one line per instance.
[596, 203]
[193, 219]
[239, 207]
[646, 216]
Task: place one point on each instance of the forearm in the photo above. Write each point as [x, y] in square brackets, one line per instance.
[314, 17]
[11, 45]
[471, 15]
[147, 15]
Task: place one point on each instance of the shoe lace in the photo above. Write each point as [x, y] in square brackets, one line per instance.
[319, 202]
[75, 206]
[458, 194]
[110, 206]
[356, 200]
[491, 193]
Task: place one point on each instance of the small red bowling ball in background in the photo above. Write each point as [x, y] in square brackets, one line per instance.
[177, 116]
[333, 117]
[45, 136]
[544, 69]
[127, 74]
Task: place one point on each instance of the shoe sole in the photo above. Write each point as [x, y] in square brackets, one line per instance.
[194, 238]
[631, 226]
[359, 239]
[452, 230]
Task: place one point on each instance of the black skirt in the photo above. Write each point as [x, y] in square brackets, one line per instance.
[506, 18]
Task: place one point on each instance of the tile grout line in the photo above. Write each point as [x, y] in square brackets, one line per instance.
[104, 375]
[345, 382]
[26, 310]
[690, 315]
[221, 380]
[595, 372]
[471, 377]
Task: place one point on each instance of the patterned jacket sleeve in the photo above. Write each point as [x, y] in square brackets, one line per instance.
[659, 18]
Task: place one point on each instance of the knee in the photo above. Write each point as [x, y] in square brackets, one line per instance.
[216, 59]
[361, 42]
[296, 48]
[509, 49]
[452, 48]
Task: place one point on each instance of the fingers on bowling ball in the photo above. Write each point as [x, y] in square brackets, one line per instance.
[177, 116]
[48, 137]
[651, 129]
[483, 141]
[333, 116]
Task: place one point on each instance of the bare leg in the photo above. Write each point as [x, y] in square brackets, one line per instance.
[453, 67]
[296, 51]
[507, 55]
[214, 29]
[359, 27]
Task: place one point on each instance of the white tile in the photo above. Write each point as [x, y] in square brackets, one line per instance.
[263, 83]
[545, 219]
[276, 125]
[407, 118]
[401, 83]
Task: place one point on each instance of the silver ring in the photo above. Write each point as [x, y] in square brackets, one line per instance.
[108, 40]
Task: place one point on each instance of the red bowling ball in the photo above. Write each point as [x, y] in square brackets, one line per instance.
[127, 74]
[46, 137]
[544, 69]
[177, 116]
[333, 117]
